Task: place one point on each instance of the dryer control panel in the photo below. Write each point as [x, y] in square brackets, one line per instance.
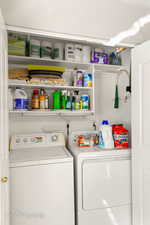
[37, 140]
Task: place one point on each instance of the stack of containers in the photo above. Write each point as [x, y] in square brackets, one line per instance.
[46, 49]
[21, 45]
[77, 53]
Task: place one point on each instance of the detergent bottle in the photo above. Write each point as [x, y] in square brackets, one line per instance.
[105, 135]
[20, 99]
[10, 99]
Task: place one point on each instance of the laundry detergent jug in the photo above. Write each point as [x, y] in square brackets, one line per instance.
[20, 99]
[105, 135]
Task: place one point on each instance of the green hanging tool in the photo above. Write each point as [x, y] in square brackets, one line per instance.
[116, 103]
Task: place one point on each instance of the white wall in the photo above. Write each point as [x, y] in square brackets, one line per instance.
[96, 18]
[105, 95]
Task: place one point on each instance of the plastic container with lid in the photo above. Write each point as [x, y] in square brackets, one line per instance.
[105, 135]
[69, 52]
[86, 54]
[46, 49]
[78, 53]
[83, 141]
[58, 51]
[35, 48]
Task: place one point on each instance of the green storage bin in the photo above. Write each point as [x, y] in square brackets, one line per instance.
[16, 44]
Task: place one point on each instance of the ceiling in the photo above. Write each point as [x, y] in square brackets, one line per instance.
[96, 18]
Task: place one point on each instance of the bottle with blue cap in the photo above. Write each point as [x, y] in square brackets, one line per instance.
[105, 135]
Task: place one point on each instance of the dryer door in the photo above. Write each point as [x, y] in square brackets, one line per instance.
[106, 183]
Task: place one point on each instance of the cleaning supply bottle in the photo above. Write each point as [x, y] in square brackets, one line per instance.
[10, 99]
[46, 101]
[68, 103]
[35, 99]
[57, 99]
[42, 99]
[63, 99]
[73, 101]
[105, 135]
[77, 100]
[20, 99]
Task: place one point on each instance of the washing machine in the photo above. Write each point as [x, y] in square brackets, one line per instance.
[102, 184]
[41, 180]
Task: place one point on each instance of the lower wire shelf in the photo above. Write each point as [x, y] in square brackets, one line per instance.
[52, 113]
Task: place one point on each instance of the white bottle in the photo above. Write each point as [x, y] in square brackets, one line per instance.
[20, 99]
[106, 139]
[10, 99]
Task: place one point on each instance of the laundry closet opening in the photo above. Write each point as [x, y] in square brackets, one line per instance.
[61, 89]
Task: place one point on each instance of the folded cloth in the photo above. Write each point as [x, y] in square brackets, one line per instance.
[45, 76]
[47, 68]
[46, 72]
[18, 73]
[16, 81]
[60, 82]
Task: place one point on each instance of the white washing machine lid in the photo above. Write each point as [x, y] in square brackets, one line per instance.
[44, 155]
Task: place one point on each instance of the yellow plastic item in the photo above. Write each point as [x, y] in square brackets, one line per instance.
[41, 67]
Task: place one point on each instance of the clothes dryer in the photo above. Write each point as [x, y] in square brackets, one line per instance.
[102, 184]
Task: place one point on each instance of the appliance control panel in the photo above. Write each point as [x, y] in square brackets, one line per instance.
[37, 140]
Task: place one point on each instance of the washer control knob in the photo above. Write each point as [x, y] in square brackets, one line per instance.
[54, 138]
[25, 140]
[18, 140]
[32, 140]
